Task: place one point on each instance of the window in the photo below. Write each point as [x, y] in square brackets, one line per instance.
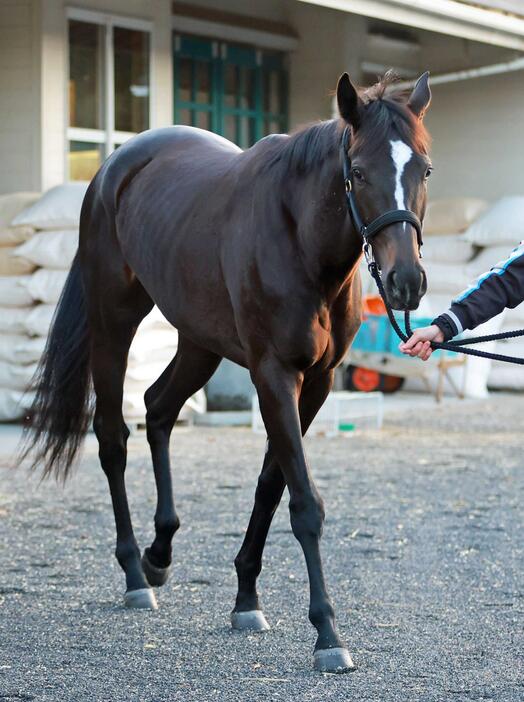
[109, 87]
[236, 91]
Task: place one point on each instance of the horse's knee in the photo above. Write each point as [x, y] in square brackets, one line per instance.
[307, 516]
[126, 551]
[167, 526]
[321, 611]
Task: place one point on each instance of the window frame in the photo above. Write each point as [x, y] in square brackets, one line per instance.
[108, 137]
[221, 53]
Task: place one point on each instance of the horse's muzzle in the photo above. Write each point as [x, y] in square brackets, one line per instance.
[405, 287]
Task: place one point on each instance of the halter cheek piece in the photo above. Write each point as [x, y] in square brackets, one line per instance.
[368, 231]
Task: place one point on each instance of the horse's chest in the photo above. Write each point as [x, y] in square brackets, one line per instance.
[333, 336]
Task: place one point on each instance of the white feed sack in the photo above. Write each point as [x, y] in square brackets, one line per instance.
[37, 320]
[45, 285]
[50, 249]
[14, 291]
[501, 224]
[16, 376]
[58, 208]
[447, 278]
[21, 349]
[154, 346]
[14, 404]
[13, 319]
[450, 215]
[447, 248]
[11, 264]
[10, 206]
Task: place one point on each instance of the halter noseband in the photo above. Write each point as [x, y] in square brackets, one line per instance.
[368, 231]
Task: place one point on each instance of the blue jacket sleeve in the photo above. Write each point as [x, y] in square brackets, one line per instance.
[492, 292]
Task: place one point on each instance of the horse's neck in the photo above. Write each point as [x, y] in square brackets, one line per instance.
[330, 245]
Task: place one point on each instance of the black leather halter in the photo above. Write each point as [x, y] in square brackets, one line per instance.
[368, 231]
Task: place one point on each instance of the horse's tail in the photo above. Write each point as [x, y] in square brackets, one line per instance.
[61, 411]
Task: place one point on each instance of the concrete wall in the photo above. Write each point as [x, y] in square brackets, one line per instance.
[19, 94]
[33, 77]
[478, 137]
[330, 43]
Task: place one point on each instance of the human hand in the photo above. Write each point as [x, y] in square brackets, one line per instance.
[419, 344]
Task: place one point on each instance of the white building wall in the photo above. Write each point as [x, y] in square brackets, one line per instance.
[478, 137]
[330, 43]
[33, 83]
[19, 91]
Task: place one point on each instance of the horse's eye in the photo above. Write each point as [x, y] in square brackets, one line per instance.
[428, 172]
[358, 174]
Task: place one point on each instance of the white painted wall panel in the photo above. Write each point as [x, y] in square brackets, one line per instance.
[478, 137]
[19, 132]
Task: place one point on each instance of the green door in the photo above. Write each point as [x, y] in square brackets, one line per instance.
[237, 91]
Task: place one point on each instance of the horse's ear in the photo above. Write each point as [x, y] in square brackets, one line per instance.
[349, 103]
[420, 98]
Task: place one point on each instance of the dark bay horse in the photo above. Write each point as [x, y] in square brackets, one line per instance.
[252, 257]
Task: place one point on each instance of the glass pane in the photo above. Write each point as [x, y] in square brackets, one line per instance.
[230, 128]
[85, 75]
[203, 119]
[203, 82]
[247, 132]
[247, 88]
[184, 79]
[131, 56]
[230, 85]
[272, 126]
[184, 117]
[272, 92]
[84, 159]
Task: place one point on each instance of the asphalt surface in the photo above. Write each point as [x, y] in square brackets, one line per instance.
[423, 551]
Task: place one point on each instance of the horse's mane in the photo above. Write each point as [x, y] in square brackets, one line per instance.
[385, 109]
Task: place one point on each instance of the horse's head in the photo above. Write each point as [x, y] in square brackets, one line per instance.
[389, 171]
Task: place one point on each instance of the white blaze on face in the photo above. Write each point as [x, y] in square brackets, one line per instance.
[401, 154]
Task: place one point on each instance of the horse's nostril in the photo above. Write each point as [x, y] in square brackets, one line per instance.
[394, 280]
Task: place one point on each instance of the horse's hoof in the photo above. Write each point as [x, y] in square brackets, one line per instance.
[333, 660]
[155, 576]
[140, 599]
[253, 620]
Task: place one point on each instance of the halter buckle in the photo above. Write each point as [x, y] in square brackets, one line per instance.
[368, 252]
[347, 183]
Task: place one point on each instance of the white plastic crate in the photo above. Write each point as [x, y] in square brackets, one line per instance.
[343, 412]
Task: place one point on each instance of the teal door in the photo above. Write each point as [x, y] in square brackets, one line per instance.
[237, 91]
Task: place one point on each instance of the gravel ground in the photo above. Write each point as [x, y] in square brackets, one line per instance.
[423, 551]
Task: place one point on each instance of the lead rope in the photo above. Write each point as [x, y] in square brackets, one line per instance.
[454, 346]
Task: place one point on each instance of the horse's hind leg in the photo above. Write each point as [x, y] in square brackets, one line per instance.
[117, 304]
[190, 370]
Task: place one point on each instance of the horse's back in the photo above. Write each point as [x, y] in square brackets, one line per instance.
[165, 143]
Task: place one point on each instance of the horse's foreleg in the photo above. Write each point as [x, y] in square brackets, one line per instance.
[190, 370]
[248, 563]
[279, 389]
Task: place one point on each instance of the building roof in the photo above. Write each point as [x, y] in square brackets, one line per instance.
[513, 7]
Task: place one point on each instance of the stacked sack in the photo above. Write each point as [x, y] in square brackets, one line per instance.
[18, 353]
[54, 222]
[495, 234]
[450, 262]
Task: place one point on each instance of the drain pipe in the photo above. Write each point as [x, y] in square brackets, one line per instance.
[470, 73]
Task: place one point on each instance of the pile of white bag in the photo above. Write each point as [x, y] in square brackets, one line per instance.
[464, 238]
[45, 240]
[497, 232]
